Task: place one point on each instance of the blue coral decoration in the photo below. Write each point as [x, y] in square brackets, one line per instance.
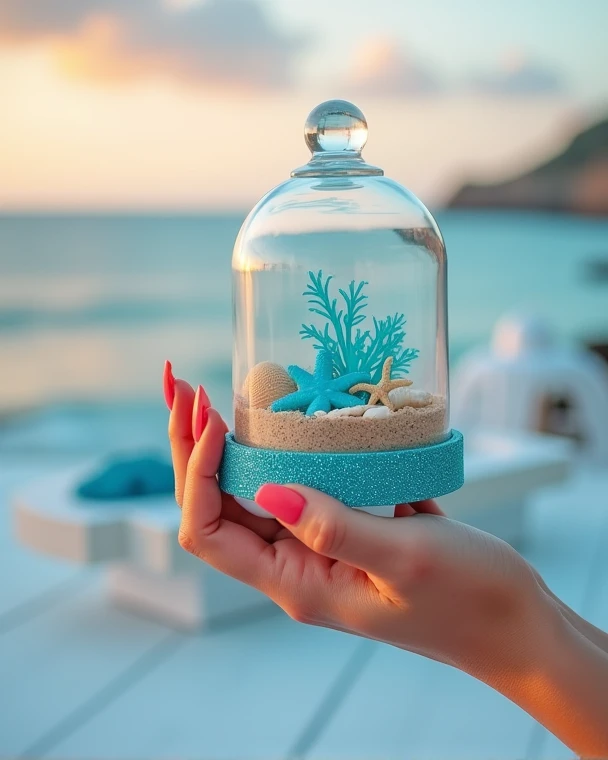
[320, 391]
[353, 348]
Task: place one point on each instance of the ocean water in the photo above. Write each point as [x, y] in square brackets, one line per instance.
[90, 306]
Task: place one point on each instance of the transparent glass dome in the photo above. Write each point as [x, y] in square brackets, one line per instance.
[339, 306]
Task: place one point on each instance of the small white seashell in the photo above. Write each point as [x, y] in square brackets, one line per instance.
[358, 411]
[319, 413]
[348, 411]
[401, 397]
[377, 412]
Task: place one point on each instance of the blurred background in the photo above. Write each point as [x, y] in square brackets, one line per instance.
[135, 135]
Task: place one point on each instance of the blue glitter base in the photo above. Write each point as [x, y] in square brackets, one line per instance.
[363, 479]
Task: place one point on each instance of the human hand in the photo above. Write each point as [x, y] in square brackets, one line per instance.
[419, 581]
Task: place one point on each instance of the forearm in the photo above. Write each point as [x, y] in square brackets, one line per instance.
[563, 683]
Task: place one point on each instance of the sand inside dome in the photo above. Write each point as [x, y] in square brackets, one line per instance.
[294, 431]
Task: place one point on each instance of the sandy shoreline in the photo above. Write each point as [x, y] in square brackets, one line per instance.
[293, 431]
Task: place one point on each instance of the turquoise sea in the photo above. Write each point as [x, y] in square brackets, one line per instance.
[90, 306]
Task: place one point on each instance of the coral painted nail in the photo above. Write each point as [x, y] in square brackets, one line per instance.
[200, 413]
[169, 385]
[284, 503]
[204, 397]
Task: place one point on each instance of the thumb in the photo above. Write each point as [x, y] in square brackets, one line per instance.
[330, 528]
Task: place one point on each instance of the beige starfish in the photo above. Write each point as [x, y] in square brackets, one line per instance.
[380, 391]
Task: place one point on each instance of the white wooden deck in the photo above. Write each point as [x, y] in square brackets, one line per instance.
[79, 679]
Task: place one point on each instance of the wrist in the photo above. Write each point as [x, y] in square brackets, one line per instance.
[529, 633]
[558, 676]
[595, 635]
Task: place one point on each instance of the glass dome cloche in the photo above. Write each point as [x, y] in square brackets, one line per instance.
[340, 364]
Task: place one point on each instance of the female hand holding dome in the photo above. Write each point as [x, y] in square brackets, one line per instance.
[420, 582]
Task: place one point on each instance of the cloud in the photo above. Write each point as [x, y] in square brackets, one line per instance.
[381, 67]
[218, 42]
[519, 75]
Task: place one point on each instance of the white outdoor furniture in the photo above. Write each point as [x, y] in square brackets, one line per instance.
[520, 381]
[147, 571]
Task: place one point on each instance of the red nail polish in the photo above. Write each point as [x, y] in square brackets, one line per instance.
[169, 385]
[204, 396]
[284, 503]
[200, 413]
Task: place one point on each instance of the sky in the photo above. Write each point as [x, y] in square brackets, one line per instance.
[179, 104]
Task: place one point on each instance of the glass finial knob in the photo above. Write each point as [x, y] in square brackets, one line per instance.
[335, 126]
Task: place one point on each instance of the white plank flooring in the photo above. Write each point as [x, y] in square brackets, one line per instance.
[81, 680]
[249, 692]
[58, 662]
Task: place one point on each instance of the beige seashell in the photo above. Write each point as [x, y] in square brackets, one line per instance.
[377, 412]
[348, 411]
[265, 383]
[402, 397]
[319, 413]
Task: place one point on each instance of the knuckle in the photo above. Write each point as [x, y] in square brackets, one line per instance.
[196, 470]
[299, 612]
[177, 433]
[326, 536]
[172, 431]
[418, 566]
[185, 541]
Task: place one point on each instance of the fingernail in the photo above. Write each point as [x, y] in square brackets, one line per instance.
[281, 502]
[204, 397]
[200, 413]
[169, 385]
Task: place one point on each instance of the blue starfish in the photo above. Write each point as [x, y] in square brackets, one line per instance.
[320, 391]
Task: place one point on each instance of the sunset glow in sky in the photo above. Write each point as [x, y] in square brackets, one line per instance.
[185, 104]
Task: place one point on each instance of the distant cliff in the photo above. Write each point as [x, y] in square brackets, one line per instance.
[576, 181]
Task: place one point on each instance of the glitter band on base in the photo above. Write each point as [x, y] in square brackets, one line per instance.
[359, 479]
